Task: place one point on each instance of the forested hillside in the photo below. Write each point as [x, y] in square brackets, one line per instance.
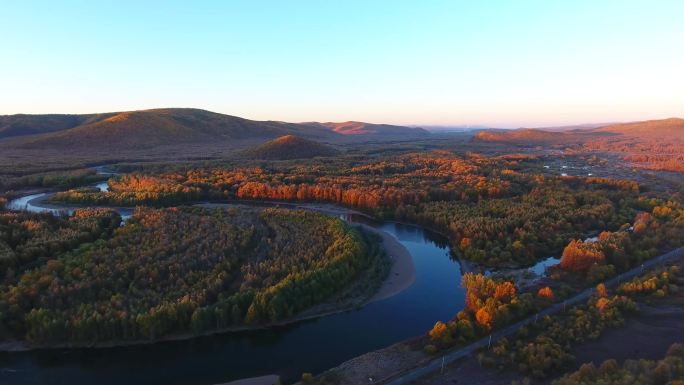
[152, 128]
[290, 147]
[24, 124]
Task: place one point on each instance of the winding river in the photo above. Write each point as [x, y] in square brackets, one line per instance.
[307, 346]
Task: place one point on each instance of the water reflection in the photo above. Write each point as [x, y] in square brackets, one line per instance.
[541, 266]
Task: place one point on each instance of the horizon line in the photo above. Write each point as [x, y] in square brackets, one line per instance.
[428, 126]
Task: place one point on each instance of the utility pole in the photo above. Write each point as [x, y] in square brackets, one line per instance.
[490, 342]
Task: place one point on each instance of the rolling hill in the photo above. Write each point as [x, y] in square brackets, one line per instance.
[290, 147]
[672, 127]
[170, 126]
[653, 144]
[361, 128]
[150, 128]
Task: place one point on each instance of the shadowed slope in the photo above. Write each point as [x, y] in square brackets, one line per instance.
[22, 124]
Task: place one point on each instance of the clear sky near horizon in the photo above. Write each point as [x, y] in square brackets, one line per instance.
[494, 63]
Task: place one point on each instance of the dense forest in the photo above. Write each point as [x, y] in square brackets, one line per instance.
[520, 230]
[28, 240]
[658, 226]
[378, 186]
[180, 270]
[497, 211]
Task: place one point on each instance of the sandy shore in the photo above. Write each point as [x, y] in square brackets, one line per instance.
[402, 274]
[263, 380]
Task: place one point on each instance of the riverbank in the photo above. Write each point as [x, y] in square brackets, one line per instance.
[402, 274]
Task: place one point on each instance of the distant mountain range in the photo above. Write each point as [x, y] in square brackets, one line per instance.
[169, 126]
[145, 129]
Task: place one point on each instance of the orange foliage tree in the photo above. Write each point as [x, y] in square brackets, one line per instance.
[440, 333]
[487, 301]
[601, 290]
[484, 319]
[546, 294]
[580, 256]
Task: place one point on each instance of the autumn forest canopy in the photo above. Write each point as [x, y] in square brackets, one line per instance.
[493, 209]
[173, 271]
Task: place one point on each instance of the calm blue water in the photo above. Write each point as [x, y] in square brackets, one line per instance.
[540, 267]
[309, 346]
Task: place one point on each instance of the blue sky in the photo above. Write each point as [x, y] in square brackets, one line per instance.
[498, 63]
